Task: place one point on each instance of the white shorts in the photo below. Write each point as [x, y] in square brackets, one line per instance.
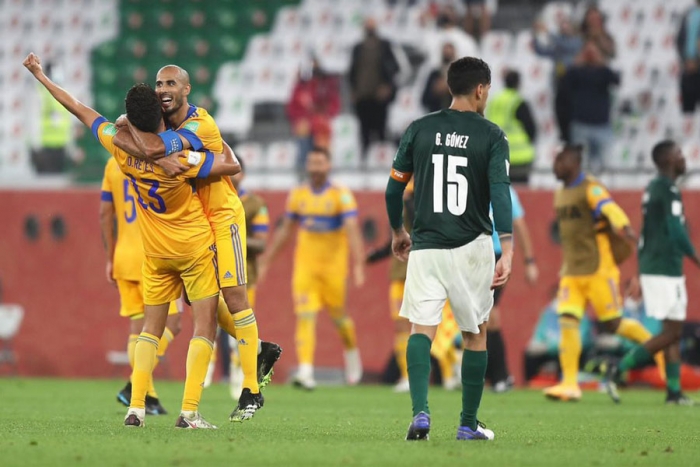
[461, 275]
[665, 297]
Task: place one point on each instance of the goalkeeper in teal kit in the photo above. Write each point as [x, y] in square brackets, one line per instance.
[663, 244]
[459, 162]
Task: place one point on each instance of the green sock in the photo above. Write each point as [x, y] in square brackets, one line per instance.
[673, 377]
[418, 359]
[639, 355]
[473, 373]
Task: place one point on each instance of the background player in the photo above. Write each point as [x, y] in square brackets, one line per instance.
[497, 370]
[124, 262]
[193, 127]
[459, 161]
[257, 221]
[663, 244]
[326, 215]
[591, 226]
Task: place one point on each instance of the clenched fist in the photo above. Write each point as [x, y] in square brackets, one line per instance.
[33, 64]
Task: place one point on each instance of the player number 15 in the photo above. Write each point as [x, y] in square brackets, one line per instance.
[457, 184]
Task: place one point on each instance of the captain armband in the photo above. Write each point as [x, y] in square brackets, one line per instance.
[172, 141]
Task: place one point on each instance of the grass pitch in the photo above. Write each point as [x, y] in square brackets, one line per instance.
[58, 422]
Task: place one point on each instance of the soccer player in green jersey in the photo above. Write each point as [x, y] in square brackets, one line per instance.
[459, 162]
[663, 244]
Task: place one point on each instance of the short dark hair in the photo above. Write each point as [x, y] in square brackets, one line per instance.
[465, 74]
[661, 149]
[512, 79]
[143, 108]
[322, 150]
[575, 150]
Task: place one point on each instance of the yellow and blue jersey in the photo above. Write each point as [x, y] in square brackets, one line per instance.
[171, 217]
[217, 193]
[128, 251]
[322, 241]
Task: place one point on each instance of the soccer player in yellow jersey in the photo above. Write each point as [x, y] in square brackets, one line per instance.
[192, 127]
[326, 215]
[124, 262]
[177, 243]
[596, 236]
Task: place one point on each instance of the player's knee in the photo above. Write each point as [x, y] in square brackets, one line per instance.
[473, 341]
[174, 324]
[402, 325]
[675, 331]
[236, 298]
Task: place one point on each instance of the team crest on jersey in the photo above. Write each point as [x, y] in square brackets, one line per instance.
[346, 198]
[192, 126]
[597, 191]
[109, 130]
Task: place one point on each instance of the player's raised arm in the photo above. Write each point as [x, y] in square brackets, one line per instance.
[84, 113]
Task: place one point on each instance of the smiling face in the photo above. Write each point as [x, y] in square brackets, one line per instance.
[172, 87]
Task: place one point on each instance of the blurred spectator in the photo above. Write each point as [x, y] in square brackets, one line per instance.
[687, 43]
[436, 94]
[372, 73]
[56, 123]
[512, 113]
[589, 81]
[315, 101]
[477, 9]
[448, 31]
[593, 30]
[562, 48]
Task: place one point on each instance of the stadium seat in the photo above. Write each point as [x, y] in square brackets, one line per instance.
[345, 146]
[10, 320]
[496, 44]
[380, 155]
[553, 12]
[281, 155]
[252, 155]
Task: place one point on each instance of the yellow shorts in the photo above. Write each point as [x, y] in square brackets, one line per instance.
[163, 278]
[231, 253]
[313, 290]
[395, 298]
[131, 297]
[601, 290]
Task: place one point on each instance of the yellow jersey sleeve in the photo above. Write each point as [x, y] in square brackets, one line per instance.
[261, 221]
[347, 203]
[201, 131]
[107, 191]
[602, 204]
[293, 206]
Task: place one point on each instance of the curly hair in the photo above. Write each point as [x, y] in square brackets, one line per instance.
[143, 108]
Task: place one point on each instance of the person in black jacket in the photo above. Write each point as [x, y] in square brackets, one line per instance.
[372, 72]
[436, 95]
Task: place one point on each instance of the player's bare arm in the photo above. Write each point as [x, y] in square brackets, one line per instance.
[107, 221]
[279, 240]
[352, 227]
[152, 146]
[84, 113]
[257, 242]
[525, 241]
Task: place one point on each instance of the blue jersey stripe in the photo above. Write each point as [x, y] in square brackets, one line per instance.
[321, 223]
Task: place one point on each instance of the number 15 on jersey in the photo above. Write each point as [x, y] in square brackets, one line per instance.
[457, 184]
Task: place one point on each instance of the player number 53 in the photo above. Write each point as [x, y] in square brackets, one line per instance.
[457, 184]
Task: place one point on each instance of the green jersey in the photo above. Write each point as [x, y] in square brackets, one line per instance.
[664, 240]
[457, 159]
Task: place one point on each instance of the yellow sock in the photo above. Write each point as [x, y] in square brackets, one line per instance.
[636, 332]
[198, 357]
[224, 318]
[400, 346]
[306, 339]
[131, 348]
[569, 350]
[346, 328]
[247, 336]
[144, 360]
[165, 341]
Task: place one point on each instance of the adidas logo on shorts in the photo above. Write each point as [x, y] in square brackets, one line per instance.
[228, 275]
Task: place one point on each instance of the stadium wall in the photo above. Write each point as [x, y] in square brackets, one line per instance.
[71, 313]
